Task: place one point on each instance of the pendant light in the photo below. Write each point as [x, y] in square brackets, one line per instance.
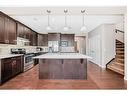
[83, 28]
[66, 28]
[48, 27]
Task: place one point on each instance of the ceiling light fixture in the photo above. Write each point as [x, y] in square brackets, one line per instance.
[83, 28]
[48, 27]
[66, 28]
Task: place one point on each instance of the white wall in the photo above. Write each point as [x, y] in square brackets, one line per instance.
[103, 44]
[125, 45]
[120, 25]
[108, 43]
[119, 35]
[94, 43]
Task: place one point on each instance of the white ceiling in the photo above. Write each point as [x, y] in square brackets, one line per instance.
[36, 17]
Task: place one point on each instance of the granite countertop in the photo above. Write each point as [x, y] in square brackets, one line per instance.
[2, 56]
[62, 56]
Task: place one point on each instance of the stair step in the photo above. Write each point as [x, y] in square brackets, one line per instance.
[119, 49]
[116, 69]
[120, 52]
[120, 56]
[119, 46]
[118, 43]
[119, 60]
[119, 64]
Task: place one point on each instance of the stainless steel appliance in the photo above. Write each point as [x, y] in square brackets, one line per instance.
[28, 57]
[53, 46]
[28, 61]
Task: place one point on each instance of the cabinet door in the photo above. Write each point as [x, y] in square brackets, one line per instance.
[34, 39]
[42, 39]
[31, 38]
[6, 68]
[45, 40]
[69, 38]
[19, 64]
[16, 65]
[7, 29]
[19, 30]
[53, 36]
[2, 31]
[12, 32]
[26, 33]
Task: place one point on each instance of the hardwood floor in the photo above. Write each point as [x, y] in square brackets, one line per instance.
[98, 78]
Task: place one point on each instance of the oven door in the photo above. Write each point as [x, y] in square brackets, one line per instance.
[28, 61]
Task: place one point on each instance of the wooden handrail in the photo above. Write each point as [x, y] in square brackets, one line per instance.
[119, 31]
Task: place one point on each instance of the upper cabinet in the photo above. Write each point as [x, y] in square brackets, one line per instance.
[42, 39]
[7, 30]
[27, 33]
[53, 36]
[2, 35]
[34, 39]
[68, 38]
[20, 30]
[10, 31]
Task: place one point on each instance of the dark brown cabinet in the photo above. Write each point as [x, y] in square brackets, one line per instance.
[7, 30]
[2, 33]
[20, 30]
[34, 39]
[42, 39]
[10, 67]
[74, 69]
[69, 38]
[51, 69]
[63, 69]
[53, 36]
[25, 32]
[10, 31]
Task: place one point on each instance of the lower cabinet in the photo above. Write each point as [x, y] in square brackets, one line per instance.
[10, 67]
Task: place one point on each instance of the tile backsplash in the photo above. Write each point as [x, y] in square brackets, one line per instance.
[5, 48]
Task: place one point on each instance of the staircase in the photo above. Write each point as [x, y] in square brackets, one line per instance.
[117, 64]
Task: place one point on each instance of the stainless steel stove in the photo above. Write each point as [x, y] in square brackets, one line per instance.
[28, 57]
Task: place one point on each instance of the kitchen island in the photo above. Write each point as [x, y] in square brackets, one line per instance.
[62, 66]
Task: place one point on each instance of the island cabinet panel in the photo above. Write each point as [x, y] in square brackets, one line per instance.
[51, 69]
[74, 69]
[62, 69]
[2, 33]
